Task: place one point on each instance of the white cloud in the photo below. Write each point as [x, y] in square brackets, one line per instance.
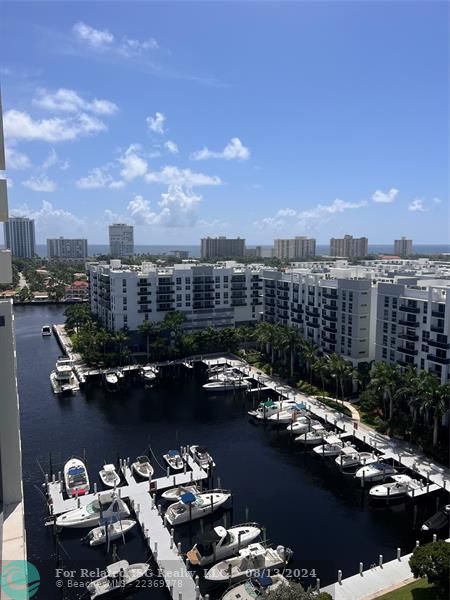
[97, 178]
[172, 147]
[156, 123]
[129, 47]
[232, 151]
[171, 175]
[133, 164]
[40, 183]
[437, 200]
[385, 197]
[53, 160]
[97, 38]
[20, 125]
[177, 208]
[289, 217]
[65, 100]
[16, 160]
[417, 205]
[52, 221]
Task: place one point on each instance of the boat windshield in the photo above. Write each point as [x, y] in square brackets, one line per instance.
[94, 508]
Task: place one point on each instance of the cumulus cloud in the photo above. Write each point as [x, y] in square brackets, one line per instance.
[130, 47]
[97, 38]
[156, 123]
[437, 200]
[53, 160]
[288, 217]
[171, 175]
[385, 197]
[65, 100]
[40, 183]
[133, 165]
[232, 151]
[52, 221]
[99, 178]
[16, 160]
[171, 147]
[177, 208]
[417, 205]
[21, 126]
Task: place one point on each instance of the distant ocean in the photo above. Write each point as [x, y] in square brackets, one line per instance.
[194, 251]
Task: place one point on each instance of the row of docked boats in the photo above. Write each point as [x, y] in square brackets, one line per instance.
[224, 379]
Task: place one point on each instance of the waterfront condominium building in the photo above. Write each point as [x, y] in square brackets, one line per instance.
[222, 247]
[12, 525]
[403, 247]
[219, 295]
[20, 237]
[293, 249]
[349, 247]
[413, 324]
[335, 314]
[121, 240]
[67, 249]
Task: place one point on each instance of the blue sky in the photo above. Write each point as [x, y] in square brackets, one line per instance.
[262, 120]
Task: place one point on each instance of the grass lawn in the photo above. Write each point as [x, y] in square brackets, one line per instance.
[417, 590]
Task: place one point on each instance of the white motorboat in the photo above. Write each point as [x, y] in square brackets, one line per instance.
[269, 408]
[397, 489]
[221, 543]
[111, 378]
[109, 476]
[302, 425]
[174, 494]
[46, 330]
[225, 373]
[63, 379]
[148, 374]
[255, 587]
[120, 576]
[142, 467]
[351, 458]
[106, 505]
[116, 530]
[289, 414]
[226, 384]
[255, 559]
[194, 506]
[202, 457]
[76, 478]
[174, 459]
[317, 435]
[333, 447]
[376, 471]
[439, 520]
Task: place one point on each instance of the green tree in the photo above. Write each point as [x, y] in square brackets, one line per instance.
[295, 591]
[434, 400]
[384, 381]
[433, 562]
[309, 351]
[148, 329]
[321, 368]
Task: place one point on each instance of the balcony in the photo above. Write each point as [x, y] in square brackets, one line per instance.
[437, 344]
[329, 307]
[434, 313]
[408, 336]
[439, 359]
[437, 328]
[310, 324]
[409, 323]
[329, 318]
[329, 329]
[405, 363]
[329, 295]
[409, 309]
[329, 340]
[409, 351]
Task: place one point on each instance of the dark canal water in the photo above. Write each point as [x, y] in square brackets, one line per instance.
[302, 500]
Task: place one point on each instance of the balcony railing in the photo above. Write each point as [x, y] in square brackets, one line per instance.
[410, 351]
[439, 359]
[409, 323]
[409, 309]
[438, 314]
[438, 344]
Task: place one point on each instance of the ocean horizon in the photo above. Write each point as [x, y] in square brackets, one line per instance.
[194, 250]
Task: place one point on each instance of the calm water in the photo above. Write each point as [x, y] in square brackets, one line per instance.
[302, 500]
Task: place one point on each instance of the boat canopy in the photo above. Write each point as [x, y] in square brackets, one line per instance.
[202, 449]
[173, 453]
[267, 403]
[263, 580]
[209, 537]
[76, 471]
[188, 498]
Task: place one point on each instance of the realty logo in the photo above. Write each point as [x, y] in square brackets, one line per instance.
[19, 580]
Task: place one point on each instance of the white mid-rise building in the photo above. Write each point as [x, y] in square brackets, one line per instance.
[335, 314]
[295, 248]
[12, 525]
[349, 246]
[67, 248]
[121, 240]
[20, 236]
[403, 247]
[208, 295]
[413, 325]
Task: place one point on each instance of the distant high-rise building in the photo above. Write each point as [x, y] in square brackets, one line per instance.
[222, 247]
[20, 237]
[291, 249]
[67, 249]
[121, 240]
[349, 246]
[403, 247]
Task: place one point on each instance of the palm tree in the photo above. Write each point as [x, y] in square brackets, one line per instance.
[120, 338]
[173, 323]
[384, 381]
[434, 400]
[292, 342]
[148, 329]
[321, 367]
[309, 352]
[263, 332]
[408, 391]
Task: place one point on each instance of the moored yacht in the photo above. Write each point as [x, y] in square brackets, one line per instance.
[201, 456]
[226, 384]
[333, 447]
[120, 576]
[194, 506]
[315, 436]
[399, 488]
[63, 379]
[142, 467]
[267, 409]
[350, 458]
[105, 505]
[109, 476]
[76, 478]
[148, 374]
[115, 531]
[221, 543]
[255, 587]
[253, 559]
[46, 330]
[376, 471]
[111, 378]
[289, 414]
[174, 459]
[174, 494]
